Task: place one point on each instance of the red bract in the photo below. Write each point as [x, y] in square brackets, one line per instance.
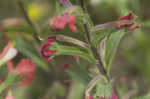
[25, 68]
[59, 22]
[45, 51]
[65, 66]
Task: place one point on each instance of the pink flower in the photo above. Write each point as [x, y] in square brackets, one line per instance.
[71, 22]
[8, 53]
[90, 97]
[114, 96]
[9, 97]
[65, 66]
[45, 51]
[59, 22]
[25, 69]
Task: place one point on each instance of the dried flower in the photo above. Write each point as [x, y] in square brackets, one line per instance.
[25, 68]
[45, 51]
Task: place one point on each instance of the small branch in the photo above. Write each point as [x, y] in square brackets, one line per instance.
[104, 26]
[90, 86]
[95, 52]
[26, 16]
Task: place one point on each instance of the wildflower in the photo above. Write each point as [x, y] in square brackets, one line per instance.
[65, 66]
[8, 53]
[114, 96]
[128, 21]
[59, 22]
[9, 97]
[45, 51]
[90, 97]
[25, 68]
[71, 22]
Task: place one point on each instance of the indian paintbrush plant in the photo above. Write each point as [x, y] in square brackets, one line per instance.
[96, 44]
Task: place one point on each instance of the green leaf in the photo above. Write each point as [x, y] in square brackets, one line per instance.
[79, 74]
[74, 51]
[29, 50]
[99, 36]
[111, 47]
[104, 89]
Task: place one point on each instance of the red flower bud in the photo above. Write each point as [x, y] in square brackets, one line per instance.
[45, 51]
[126, 21]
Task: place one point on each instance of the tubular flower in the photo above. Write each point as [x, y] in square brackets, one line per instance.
[25, 69]
[59, 22]
[45, 51]
[128, 21]
[8, 53]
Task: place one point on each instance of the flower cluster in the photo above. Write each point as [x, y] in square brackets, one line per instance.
[45, 51]
[59, 22]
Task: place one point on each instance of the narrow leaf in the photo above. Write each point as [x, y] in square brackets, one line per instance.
[111, 47]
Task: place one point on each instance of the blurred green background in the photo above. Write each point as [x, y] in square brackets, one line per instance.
[132, 60]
